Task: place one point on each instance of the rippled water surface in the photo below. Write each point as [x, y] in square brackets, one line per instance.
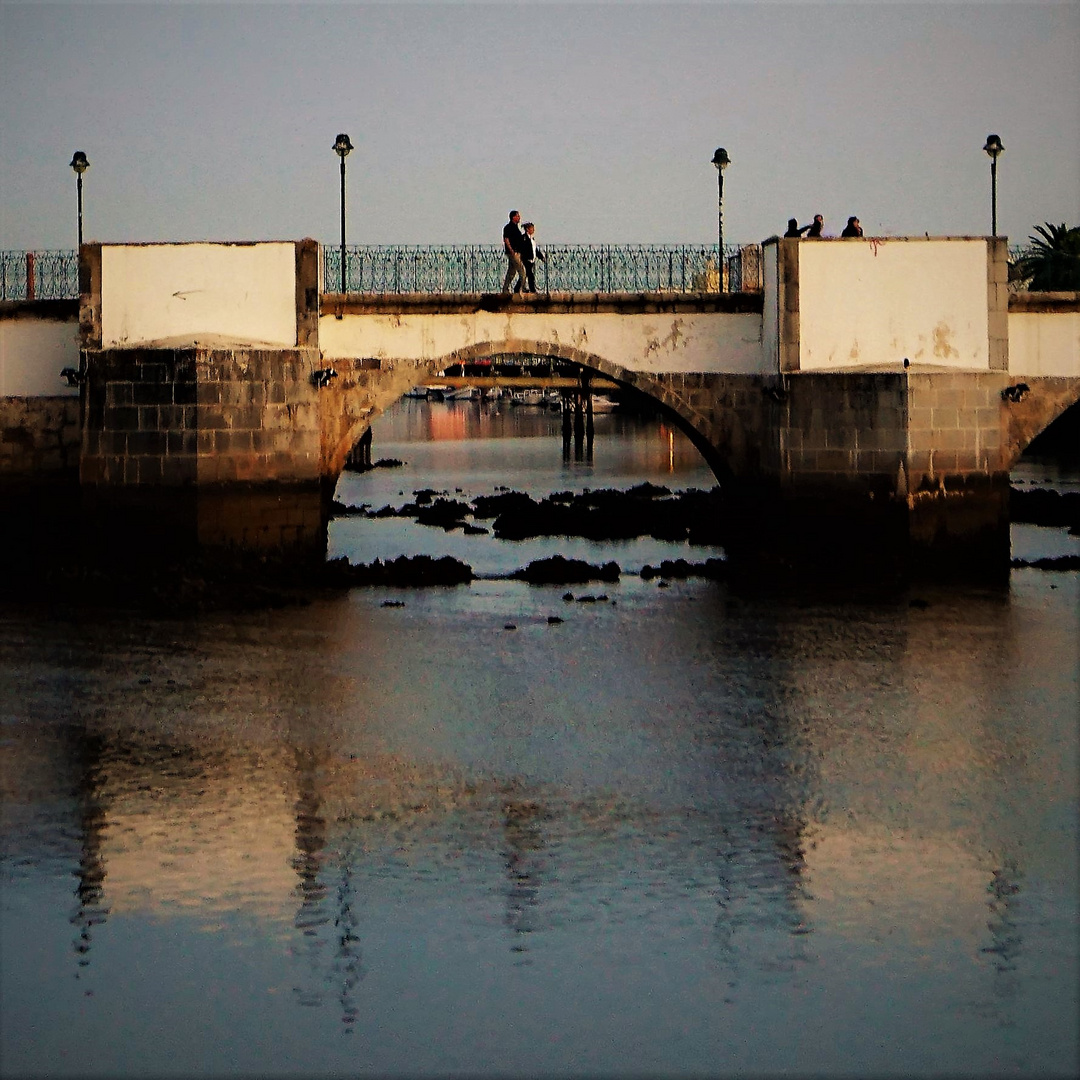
[681, 831]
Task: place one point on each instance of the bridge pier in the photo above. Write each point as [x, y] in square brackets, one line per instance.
[896, 471]
[197, 449]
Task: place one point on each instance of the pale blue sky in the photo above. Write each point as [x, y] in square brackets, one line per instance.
[598, 121]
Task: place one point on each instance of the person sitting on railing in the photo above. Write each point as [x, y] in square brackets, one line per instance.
[853, 228]
[815, 227]
[794, 230]
[513, 244]
[530, 253]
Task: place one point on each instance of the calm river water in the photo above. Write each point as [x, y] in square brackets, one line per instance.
[682, 831]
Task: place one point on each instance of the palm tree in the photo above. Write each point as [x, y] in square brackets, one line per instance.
[1052, 263]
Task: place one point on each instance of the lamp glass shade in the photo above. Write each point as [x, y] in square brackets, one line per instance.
[993, 146]
[342, 145]
[79, 162]
[720, 159]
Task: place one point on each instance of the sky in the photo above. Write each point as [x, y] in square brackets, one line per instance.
[597, 121]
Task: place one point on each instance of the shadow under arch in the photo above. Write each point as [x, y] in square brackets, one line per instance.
[1052, 430]
[686, 400]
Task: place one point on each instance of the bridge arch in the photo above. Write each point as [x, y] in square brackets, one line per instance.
[1037, 405]
[689, 401]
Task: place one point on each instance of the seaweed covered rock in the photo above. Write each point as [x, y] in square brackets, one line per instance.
[678, 569]
[646, 510]
[491, 506]
[1040, 506]
[443, 513]
[402, 572]
[560, 571]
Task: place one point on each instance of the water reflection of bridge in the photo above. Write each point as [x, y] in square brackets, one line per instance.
[786, 833]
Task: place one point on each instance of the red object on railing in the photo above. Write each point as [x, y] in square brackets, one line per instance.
[29, 275]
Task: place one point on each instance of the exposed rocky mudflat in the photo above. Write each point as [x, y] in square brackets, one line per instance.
[693, 516]
[647, 510]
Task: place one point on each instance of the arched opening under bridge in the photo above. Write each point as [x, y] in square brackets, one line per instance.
[684, 402]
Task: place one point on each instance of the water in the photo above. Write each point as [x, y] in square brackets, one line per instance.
[681, 832]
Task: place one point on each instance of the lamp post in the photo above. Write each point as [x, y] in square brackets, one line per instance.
[342, 146]
[721, 160]
[993, 147]
[80, 165]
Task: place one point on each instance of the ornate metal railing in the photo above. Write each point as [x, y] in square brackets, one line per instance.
[54, 275]
[567, 268]
[39, 275]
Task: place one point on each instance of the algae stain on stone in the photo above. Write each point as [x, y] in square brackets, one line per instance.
[943, 347]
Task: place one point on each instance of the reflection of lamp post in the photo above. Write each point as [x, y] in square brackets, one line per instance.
[80, 165]
[721, 160]
[342, 147]
[993, 147]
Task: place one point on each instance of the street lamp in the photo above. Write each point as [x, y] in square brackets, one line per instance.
[993, 147]
[341, 147]
[721, 160]
[80, 165]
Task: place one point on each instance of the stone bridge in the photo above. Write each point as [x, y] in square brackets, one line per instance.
[874, 390]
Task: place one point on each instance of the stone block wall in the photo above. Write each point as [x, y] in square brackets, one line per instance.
[955, 427]
[211, 447]
[841, 431]
[196, 416]
[40, 438]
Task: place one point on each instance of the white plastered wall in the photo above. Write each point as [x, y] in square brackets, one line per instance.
[770, 314]
[873, 303]
[33, 352]
[209, 294]
[651, 343]
[1044, 343]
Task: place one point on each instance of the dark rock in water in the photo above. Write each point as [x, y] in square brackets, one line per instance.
[1042, 507]
[713, 569]
[339, 509]
[393, 603]
[1060, 562]
[560, 571]
[554, 620]
[491, 506]
[443, 513]
[382, 463]
[475, 530]
[646, 510]
[649, 491]
[401, 572]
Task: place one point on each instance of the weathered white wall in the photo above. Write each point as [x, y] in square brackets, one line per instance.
[770, 314]
[33, 351]
[875, 302]
[210, 294]
[653, 343]
[1044, 343]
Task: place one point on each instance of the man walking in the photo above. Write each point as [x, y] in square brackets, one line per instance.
[513, 244]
